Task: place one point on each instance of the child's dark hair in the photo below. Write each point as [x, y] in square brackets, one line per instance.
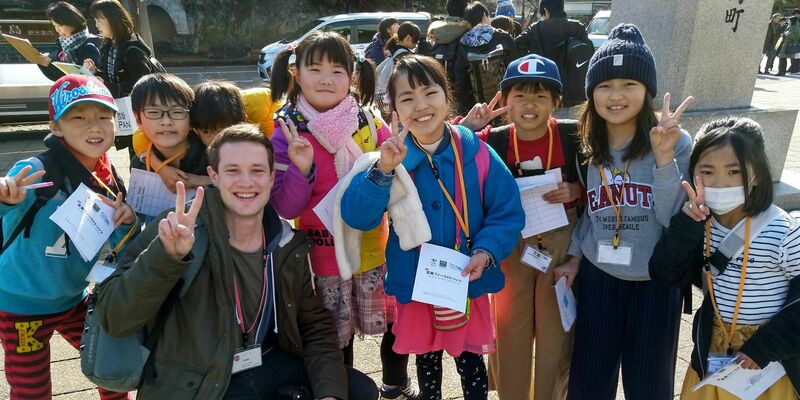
[248, 133]
[474, 13]
[505, 23]
[747, 140]
[405, 29]
[383, 27]
[419, 70]
[593, 133]
[314, 49]
[162, 86]
[455, 8]
[66, 14]
[118, 18]
[217, 104]
[532, 87]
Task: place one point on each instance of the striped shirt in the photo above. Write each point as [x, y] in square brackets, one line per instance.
[773, 261]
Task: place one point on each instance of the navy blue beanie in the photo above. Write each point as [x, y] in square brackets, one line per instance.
[624, 55]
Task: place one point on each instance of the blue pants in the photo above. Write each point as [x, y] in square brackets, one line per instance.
[629, 323]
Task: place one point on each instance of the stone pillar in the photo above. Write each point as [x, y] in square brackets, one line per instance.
[711, 49]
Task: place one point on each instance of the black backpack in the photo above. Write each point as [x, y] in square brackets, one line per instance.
[154, 64]
[486, 70]
[572, 58]
[445, 53]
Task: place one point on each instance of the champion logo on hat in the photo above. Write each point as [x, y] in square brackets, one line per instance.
[73, 89]
[531, 67]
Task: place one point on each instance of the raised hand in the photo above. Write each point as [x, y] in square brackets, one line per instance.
[176, 231]
[300, 151]
[89, 64]
[481, 113]
[11, 187]
[665, 135]
[171, 176]
[567, 192]
[696, 207]
[393, 149]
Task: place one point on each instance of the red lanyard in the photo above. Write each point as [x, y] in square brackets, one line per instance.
[746, 256]
[239, 312]
[549, 147]
[462, 218]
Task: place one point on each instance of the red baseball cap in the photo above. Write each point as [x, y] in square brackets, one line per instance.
[72, 89]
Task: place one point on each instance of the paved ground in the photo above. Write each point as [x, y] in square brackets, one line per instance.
[68, 383]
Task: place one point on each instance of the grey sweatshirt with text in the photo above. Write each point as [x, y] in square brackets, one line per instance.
[652, 196]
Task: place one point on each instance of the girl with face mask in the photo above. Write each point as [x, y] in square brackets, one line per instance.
[751, 309]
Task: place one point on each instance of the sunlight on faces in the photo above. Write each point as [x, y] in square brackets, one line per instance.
[103, 27]
[619, 101]
[719, 168]
[62, 30]
[243, 177]
[323, 83]
[165, 133]
[87, 129]
[423, 108]
[530, 110]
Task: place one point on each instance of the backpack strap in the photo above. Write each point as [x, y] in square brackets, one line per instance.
[371, 122]
[498, 140]
[567, 130]
[482, 160]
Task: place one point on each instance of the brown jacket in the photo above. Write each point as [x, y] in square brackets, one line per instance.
[194, 355]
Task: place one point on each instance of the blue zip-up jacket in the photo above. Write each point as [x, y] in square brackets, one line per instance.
[43, 273]
[494, 224]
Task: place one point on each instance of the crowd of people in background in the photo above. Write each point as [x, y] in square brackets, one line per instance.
[245, 290]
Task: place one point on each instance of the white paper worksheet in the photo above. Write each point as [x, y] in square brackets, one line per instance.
[439, 281]
[148, 194]
[541, 216]
[86, 220]
[747, 384]
[324, 209]
[567, 306]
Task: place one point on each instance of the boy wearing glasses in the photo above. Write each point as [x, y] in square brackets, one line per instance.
[160, 105]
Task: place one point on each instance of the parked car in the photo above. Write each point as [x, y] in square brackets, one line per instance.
[23, 93]
[358, 28]
[598, 28]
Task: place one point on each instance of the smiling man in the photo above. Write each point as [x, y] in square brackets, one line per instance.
[247, 323]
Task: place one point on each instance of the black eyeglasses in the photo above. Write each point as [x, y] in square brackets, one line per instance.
[175, 113]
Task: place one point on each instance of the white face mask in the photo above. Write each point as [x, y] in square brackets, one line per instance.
[724, 200]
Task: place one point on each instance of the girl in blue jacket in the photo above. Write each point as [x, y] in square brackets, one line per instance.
[472, 205]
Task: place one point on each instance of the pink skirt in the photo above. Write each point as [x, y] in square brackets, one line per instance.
[415, 333]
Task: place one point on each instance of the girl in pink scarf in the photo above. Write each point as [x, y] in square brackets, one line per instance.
[330, 124]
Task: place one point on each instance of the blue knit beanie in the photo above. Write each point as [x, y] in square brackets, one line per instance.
[505, 7]
[624, 55]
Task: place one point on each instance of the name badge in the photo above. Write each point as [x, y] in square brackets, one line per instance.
[247, 358]
[607, 254]
[717, 361]
[101, 271]
[535, 258]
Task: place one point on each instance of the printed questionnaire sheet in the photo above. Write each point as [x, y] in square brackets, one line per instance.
[541, 216]
[148, 194]
[86, 220]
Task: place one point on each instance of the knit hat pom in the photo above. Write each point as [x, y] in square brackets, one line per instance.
[628, 33]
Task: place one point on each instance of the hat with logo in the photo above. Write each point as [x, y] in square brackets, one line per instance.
[72, 89]
[532, 68]
[624, 55]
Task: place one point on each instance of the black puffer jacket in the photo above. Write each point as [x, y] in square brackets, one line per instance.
[542, 37]
[678, 260]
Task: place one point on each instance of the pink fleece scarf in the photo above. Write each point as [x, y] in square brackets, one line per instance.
[334, 130]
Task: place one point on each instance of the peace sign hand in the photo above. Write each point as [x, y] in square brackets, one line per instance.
[11, 191]
[665, 135]
[176, 231]
[481, 113]
[393, 149]
[300, 151]
[695, 207]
